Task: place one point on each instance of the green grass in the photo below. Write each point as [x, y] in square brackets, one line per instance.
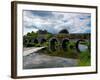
[84, 59]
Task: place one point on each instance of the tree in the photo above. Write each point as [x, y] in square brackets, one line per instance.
[65, 31]
[28, 34]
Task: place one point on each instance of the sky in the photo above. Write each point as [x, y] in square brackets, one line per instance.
[53, 21]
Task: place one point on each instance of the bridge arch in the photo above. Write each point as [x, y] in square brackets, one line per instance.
[35, 41]
[78, 43]
[25, 42]
[64, 44]
[43, 40]
[53, 44]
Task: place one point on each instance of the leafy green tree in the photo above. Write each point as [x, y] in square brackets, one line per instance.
[65, 31]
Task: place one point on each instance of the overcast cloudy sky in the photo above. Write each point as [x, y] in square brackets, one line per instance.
[55, 21]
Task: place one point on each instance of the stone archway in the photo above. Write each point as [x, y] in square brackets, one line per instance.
[78, 43]
[36, 41]
[42, 41]
[53, 44]
[25, 42]
[65, 43]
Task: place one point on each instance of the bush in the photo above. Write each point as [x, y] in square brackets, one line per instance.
[37, 45]
[46, 44]
[30, 45]
[71, 45]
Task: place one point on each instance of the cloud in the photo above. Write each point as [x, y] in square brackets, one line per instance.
[55, 21]
[42, 13]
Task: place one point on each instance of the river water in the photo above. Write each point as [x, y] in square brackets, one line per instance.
[83, 47]
[40, 60]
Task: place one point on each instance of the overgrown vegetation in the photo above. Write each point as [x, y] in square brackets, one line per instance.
[29, 40]
[84, 58]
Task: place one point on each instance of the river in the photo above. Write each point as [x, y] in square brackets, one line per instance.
[40, 60]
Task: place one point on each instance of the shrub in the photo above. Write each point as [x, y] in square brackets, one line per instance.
[71, 45]
[30, 45]
[37, 45]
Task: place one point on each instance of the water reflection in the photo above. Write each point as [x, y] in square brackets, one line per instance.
[82, 47]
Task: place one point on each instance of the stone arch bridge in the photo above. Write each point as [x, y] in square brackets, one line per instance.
[54, 43]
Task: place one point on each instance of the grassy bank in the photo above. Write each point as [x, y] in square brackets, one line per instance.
[84, 59]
